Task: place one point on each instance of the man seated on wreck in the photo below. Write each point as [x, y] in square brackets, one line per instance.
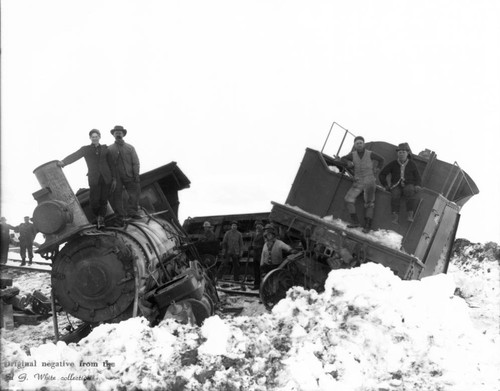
[405, 182]
[366, 165]
[272, 252]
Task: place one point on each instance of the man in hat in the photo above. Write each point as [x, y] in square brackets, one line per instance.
[272, 253]
[100, 176]
[27, 233]
[232, 247]
[125, 164]
[366, 165]
[405, 182]
[256, 246]
[208, 234]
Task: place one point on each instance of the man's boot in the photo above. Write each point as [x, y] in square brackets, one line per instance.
[23, 262]
[354, 221]
[395, 218]
[30, 262]
[368, 225]
[410, 216]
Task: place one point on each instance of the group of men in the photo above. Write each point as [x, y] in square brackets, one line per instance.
[27, 233]
[113, 171]
[405, 182]
[267, 249]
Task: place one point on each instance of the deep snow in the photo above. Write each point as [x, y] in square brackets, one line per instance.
[369, 330]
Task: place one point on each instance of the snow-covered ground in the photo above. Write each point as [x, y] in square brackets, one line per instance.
[369, 330]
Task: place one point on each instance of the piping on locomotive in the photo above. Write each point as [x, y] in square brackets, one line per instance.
[114, 273]
[314, 216]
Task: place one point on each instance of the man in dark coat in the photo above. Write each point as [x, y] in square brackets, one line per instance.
[126, 166]
[208, 234]
[100, 175]
[257, 245]
[27, 233]
[5, 239]
[405, 182]
[232, 246]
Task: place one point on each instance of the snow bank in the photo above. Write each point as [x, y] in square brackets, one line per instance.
[369, 330]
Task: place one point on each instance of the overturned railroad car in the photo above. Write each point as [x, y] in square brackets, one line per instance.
[117, 272]
[315, 213]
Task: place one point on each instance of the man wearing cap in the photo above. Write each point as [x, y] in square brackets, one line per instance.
[256, 246]
[405, 182]
[100, 176]
[232, 246]
[272, 253]
[366, 165]
[208, 235]
[125, 164]
[27, 233]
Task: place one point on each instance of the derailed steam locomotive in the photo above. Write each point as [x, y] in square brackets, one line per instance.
[111, 274]
[314, 214]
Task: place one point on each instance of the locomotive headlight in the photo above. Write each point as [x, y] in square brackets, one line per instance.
[50, 217]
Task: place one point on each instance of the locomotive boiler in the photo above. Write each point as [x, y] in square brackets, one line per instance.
[117, 272]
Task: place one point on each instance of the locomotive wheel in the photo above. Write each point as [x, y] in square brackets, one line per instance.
[94, 279]
[274, 287]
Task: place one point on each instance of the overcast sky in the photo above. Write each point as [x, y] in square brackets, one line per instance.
[235, 91]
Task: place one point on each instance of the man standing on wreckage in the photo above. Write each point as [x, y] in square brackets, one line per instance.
[100, 176]
[366, 166]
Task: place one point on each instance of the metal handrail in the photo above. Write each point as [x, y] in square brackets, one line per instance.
[455, 180]
[343, 138]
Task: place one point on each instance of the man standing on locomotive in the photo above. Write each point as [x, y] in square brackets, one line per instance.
[366, 166]
[125, 164]
[101, 178]
[272, 253]
[405, 182]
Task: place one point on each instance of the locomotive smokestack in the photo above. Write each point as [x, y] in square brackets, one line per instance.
[58, 213]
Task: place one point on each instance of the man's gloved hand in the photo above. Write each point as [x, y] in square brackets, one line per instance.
[418, 189]
[60, 164]
[387, 187]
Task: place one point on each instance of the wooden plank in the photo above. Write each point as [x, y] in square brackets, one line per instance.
[22, 318]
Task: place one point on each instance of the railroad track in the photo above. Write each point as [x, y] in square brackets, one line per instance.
[36, 266]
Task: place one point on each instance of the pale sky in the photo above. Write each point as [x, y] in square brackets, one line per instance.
[235, 91]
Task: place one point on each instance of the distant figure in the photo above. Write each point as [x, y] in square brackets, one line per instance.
[232, 247]
[27, 233]
[366, 165]
[208, 234]
[125, 164]
[257, 246]
[5, 239]
[272, 253]
[100, 176]
[405, 182]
